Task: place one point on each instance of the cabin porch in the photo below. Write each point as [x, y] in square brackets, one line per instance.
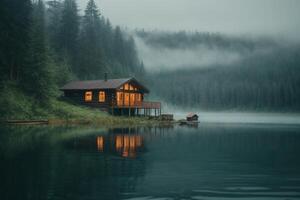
[144, 108]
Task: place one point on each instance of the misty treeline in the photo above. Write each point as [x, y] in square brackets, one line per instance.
[44, 44]
[192, 40]
[267, 77]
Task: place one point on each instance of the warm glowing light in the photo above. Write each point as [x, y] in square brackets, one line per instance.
[88, 96]
[138, 97]
[126, 86]
[120, 96]
[127, 144]
[132, 99]
[100, 143]
[119, 143]
[101, 96]
[126, 100]
[131, 87]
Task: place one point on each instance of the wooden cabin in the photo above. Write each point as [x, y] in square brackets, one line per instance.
[118, 96]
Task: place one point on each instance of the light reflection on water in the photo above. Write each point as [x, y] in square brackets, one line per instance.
[213, 161]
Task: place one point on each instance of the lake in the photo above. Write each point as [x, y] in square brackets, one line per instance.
[211, 161]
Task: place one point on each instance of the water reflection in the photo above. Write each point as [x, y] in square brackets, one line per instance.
[100, 143]
[211, 162]
[128, 145]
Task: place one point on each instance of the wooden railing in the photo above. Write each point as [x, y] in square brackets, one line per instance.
[143, 105]
[152, 105]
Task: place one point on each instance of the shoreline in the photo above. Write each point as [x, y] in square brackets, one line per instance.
[108, 121]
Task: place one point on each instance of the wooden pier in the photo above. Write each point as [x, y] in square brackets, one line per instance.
[144, 108]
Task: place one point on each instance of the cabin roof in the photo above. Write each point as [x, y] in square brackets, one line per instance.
[101, 84]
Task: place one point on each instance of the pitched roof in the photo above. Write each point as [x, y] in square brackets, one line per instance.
[100, 84]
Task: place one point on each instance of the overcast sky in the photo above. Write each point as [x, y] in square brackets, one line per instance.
[275, 17]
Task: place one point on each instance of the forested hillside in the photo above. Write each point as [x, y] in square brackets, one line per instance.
[264, 76]
[44, 44]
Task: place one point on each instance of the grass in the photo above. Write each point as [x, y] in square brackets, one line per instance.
[60, 112]
[63, 112]
[14, 105]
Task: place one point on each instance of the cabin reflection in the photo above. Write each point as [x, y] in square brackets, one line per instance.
[125, 142]
[125, 145]
[100, 143]
[128, 145]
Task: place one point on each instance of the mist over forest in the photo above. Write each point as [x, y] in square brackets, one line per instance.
[212, 71]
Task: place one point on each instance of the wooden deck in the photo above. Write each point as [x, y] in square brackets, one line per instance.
[142, 105]
[145, 108]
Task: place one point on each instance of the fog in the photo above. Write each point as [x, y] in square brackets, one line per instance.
[242, 117]
[233, 116]
[158, 57]
[258, 17]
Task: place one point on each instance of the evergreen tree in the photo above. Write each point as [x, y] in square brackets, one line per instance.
[37, 77]
[69, 30]
[14, 23]
[119, 46]
[131, 59]
[91, 49]
[53, 18]
[107, 39]
[60, 63]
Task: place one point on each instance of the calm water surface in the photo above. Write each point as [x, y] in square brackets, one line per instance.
[213, 161]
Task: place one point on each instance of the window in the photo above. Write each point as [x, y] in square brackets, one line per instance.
[88, 96]
[132, 99]
[101, 96]
[139, 97]
[120, 98]
[126, 86]
[131, 87]
[126, 99]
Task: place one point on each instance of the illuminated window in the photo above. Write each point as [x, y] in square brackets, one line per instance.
[132, 99]
[139, 98]
[126, 86]
[88, 96]
[131, 87]
[126, 99]
[101, 96]
[120, 98]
